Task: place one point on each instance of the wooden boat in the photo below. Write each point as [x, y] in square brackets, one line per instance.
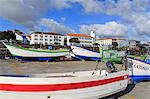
[84, 54]
[139, 69]
[113, 56]
[71, 85]
[35, 54]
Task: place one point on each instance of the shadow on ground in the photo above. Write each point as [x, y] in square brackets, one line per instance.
[117, 95]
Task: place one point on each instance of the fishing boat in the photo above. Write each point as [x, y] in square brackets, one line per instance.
[35, 54]
[139, 69]
[69, 85]
[84, 54]
[113, 56]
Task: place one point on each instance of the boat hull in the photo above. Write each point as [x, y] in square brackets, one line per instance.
[25, 53]
[84, 54]
[84, 87]
[140, 70]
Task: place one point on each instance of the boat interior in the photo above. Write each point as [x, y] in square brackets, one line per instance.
[72, 74]
[66, 74]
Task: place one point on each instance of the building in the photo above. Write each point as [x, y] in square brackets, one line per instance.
[47, 38]
[110, 41]
[148, 43]
[104, 41]
[122, 42]
[133, 43]
[85, 40]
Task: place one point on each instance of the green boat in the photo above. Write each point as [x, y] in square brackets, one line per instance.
[113, 56]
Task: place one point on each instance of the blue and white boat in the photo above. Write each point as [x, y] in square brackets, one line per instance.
[84, 54]
[139, 70]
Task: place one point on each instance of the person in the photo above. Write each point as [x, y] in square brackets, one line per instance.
[111, 67]
[124, 61]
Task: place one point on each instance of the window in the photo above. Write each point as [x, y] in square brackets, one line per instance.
[35, 35]
[45, 35]
[46, 43]
[46, 40]
[56, 39]
[41, 39]
[55, 36]
[50, 40]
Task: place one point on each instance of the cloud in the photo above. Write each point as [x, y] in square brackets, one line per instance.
[54, 26]
[134, 13]
[90, 5]
[141, 23]
[59, 4]
[114, 7]
[107, 29]
[28, 12]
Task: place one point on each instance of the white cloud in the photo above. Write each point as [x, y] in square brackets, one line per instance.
[134, 13]
[107, 29]
[28, 12]
[90, 5]
[141, 23]
[54, 26]
[59, 4]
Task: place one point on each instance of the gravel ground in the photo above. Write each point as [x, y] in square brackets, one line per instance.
[140, 91]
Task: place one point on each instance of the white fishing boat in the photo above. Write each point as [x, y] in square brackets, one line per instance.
[83, 54]
[139, 69]
[71, 85]
[37, 54]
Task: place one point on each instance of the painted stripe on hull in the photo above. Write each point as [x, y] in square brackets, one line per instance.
[58, 87]
[37, 58]
[143, 61]
[138, 78]
[86, 57]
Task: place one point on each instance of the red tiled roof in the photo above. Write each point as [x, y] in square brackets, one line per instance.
[79, 35]
[29, 36]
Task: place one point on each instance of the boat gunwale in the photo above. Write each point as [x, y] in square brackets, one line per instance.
[37, 50]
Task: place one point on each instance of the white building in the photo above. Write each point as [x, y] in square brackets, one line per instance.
[122, 42]
[109, 41]
[104, 41]
[133, 43]
[85, 40]
[47, 38]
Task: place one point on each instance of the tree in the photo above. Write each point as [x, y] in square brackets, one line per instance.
[8, 35]
[96, 44]
[74, 40]
[115, 44]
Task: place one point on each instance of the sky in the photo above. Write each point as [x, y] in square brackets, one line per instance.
[107, 18]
